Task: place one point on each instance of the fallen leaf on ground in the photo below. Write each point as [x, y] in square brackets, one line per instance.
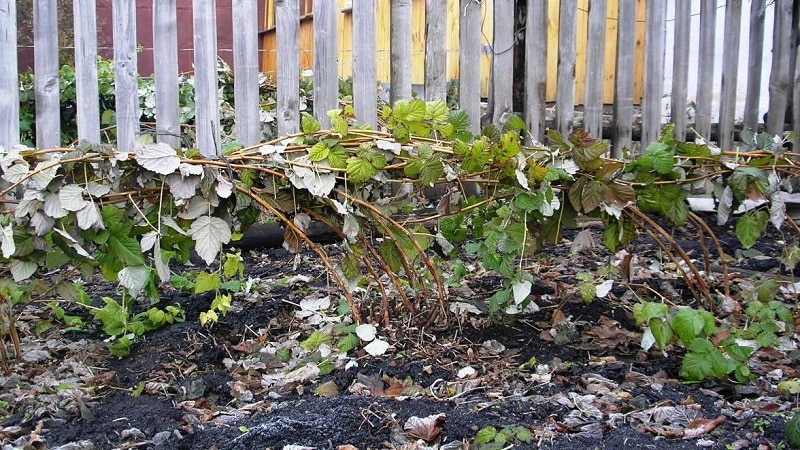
[425, 428]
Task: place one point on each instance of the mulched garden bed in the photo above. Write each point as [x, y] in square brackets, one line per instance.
[570, 375]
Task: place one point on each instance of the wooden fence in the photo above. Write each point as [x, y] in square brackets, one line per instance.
[505, 38]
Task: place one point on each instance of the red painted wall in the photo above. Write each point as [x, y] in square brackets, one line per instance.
[144, 34]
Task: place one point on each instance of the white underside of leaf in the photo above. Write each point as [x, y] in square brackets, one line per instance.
[22, 270]
[7, 241]
[209, 234]
[376, 347]
[71, 197]
[133, 278]
[366, 332]
[159, 158]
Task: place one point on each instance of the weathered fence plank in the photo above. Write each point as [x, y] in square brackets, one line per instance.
[86, 89]
[502, 78]
[9, 80]
[45, 39]
[245, 63]
[653, 71]
[326, 69]
[206, 81]
[126, 74]
[796, 100]
[400, 50]
[435, 50]
[288, 22]
[623, 86]
[536, 74]
[469, 63]
[365, 76]
[779, 89]
[730, 65]
[595, 67]
[705, 67]
[565, 95]
[165, 51]
[755, 63]
[680, 67]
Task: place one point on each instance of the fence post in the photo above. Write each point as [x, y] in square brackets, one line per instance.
[400, 50]
[365, 77]
[165, 53]
[595, 69]
[779, 89]
[680, 67]
[245, 71]
[206, 80]
[287, 20]
[536, 74]
[502, 79]
[86, 89]
[326, 69]
[705, 68]
[9, 80]
[435, 50]
[126, 73]
[755, 63]
[623, 84]
[565, 96]
[469, 63]
[653, 71]
[730, 66]
[45, 42]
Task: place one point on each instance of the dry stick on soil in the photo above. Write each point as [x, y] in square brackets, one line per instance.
[701, 240]
[700, 223]
[647, 224]
[395, 281]
[316, 248]
[425, 258]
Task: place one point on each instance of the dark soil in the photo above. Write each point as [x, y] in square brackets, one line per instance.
[185, 386]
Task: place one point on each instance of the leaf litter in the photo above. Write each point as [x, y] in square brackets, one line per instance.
[271, 374]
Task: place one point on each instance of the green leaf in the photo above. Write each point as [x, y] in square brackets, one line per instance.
[431, 171]
[233, 265]
[659, 158]
[339, 125]
[391, 255]
[409, 110]
[750, 226]
[523, 434]
[309, 124]
[792, 429]
[221, 303]
[348, 343]
[350, 267]
[661, 332]
[337, 157]
[318, 152]
[121, 347]
[486, 435]
[516, 123]
[359, 170]
[696, 366]
[283, 354]
[206, 282]
[314, 341]
[689, 324]
[126, 249]
[644, 311]
[436, 111]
